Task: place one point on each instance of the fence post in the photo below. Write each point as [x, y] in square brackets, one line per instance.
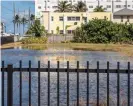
[10, 91]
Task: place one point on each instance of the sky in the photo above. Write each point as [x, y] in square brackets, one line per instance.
[7, 12]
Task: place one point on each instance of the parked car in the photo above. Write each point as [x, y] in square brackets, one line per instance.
[5, 34]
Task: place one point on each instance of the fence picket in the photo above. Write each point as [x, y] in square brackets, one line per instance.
[67, 83]
[118, 84]
[29, 83]
[107, 83]
[48, 83]
[87, 83]
[128, 83]
[98, 83]
[39, 86]
[58, 84]
[2, 84]
[77, 83]
[20, 66]
[10, 87]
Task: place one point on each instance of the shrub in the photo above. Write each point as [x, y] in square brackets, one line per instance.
[34, 40]
[104, 31]
[37, 29]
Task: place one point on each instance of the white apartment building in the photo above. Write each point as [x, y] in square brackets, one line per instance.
[110, 5]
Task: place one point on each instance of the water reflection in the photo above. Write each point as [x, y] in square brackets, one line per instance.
[63, 54]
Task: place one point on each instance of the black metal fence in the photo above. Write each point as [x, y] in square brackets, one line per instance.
[67, 70]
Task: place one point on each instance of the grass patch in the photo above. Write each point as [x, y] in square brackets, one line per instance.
[125, 49]
[34, 40]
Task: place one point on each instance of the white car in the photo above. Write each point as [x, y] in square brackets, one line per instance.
[5, 34]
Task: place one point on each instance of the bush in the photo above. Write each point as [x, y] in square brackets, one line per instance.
[34, 40]
[104, 31]
[37, 29]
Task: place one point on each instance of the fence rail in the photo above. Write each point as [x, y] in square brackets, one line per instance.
[9, 69]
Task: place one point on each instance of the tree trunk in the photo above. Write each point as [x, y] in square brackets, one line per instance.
[23, 28]
[19, 28]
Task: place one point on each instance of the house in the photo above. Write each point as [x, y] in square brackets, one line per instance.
[122, 16]
[66, 23]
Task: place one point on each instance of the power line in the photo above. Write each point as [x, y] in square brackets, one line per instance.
[7, 8]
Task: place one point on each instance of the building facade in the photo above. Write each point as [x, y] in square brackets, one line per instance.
[109, 5]
[66, 23]
[123, 16]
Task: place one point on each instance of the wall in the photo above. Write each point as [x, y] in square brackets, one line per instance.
[100, 15]
[52, 25]
[118, 19]
[7, 39]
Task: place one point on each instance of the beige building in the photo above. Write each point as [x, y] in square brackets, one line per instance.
[122, 16]
[62, 23]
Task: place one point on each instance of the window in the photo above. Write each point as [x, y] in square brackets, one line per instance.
[69, 18]
[39, 7]
[108, 6]
[108, 0]
[118, 0]
[69, 31]
[52, 18]
[61, 31]
[77, 18]
[118, 6]
[55, 7]
[73, 18]
[128, 18]
[90, 6]
[60, 18]
[121, 18]
[85, 19]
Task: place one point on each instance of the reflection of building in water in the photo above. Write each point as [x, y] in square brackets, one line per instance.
[54, 59]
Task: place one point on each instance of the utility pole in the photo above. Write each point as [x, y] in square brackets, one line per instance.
[45, 6]
[112, 6]
[23, 23]
[98, 3]
[126, 3]
[5, 28]
[19, 23]
[14, 16]
[29, 17]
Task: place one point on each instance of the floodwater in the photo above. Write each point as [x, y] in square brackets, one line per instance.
[54, 54]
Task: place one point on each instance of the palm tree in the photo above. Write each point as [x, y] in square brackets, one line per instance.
[24, 21]
[99, 9]
[80, 7]
[32, 18]
[16, 20]
[64, 6]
